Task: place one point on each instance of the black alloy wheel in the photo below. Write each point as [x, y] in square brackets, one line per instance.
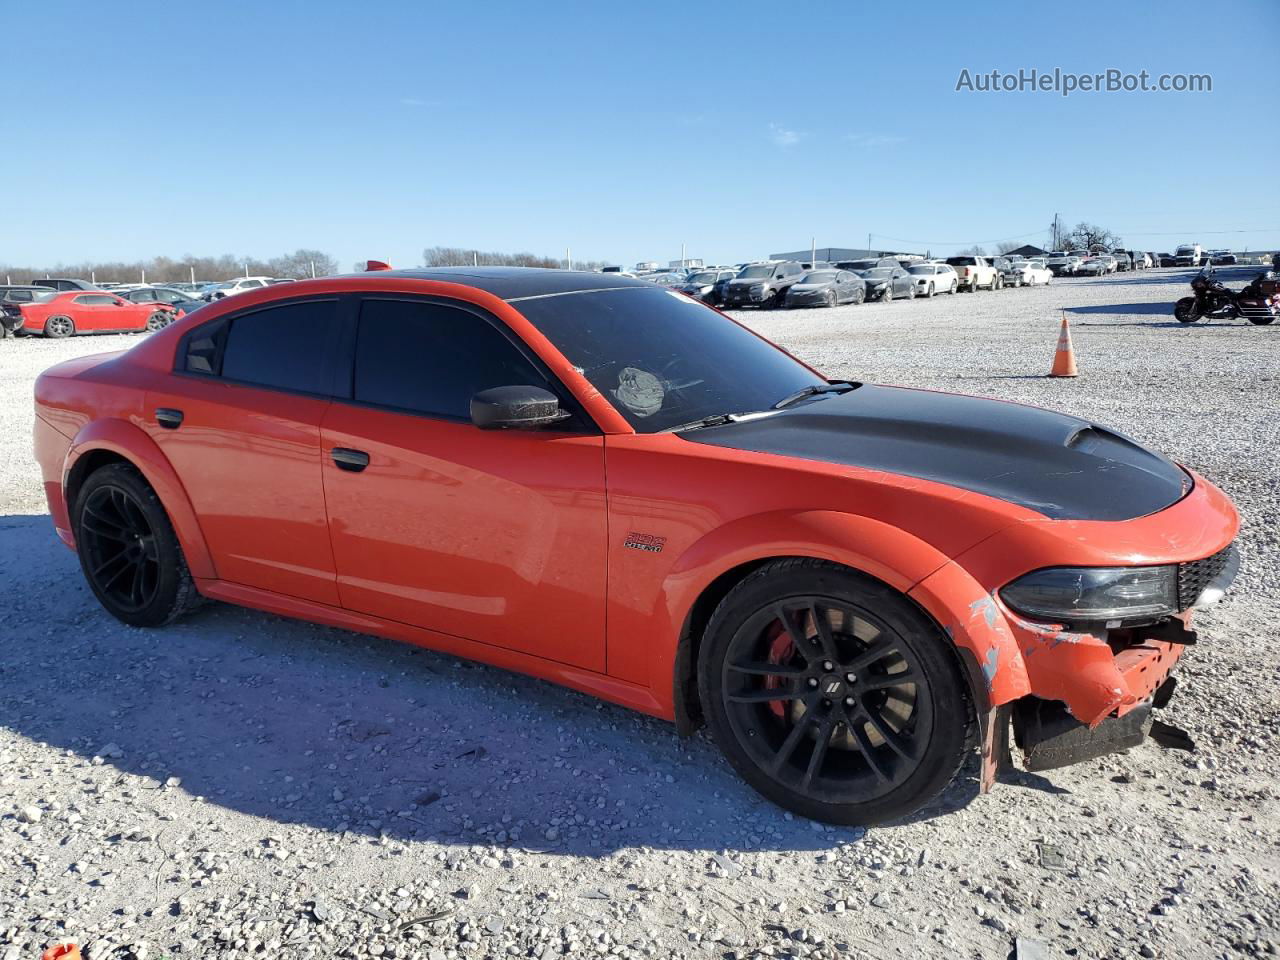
[841, 704]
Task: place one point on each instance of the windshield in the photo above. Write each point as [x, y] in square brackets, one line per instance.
[707, 276]
[920, 270]
[877, 272]
[819, 276]
[663, 360]
[756, 273]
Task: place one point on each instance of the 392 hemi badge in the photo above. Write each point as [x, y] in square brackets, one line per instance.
[645, 541]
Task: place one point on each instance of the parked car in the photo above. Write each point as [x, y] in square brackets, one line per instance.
[1031, 273]
[974, 272]
[1188, 255]
[826, 288]
[65, 283]
[666, 279]
[1140, 260]
[815, 265]
[624, 492]
[931, 278]
[1168, 260]
[870, 263]
[1222, 258]
[1063, 264]
[1006, 268]
[180, 302]
[1153, 259]
[64, 313]
[21, 292]
[887, 284]
[708, 285]
[1094, 267]
[762, 284]
[230, 288]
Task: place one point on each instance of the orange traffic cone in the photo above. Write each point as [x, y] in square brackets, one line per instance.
[1064, 361]
[62, 951]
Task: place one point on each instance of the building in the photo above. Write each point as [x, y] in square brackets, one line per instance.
[832, 254]
[1026, 250]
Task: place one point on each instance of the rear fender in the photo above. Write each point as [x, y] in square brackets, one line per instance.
[132, 443]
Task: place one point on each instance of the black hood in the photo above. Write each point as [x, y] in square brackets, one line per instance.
[1060, 466]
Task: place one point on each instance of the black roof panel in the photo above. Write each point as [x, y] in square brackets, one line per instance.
[513, 283]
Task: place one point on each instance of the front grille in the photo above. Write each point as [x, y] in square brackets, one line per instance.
[1193, 577]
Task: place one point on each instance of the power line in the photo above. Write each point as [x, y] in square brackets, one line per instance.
[952, 243]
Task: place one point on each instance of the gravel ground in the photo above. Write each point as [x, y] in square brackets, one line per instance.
[239, 785]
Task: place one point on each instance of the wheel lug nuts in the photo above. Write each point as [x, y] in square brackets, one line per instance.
[827, 665]
[826, 703]
[813, 681]
[848, 701]
[851, 677]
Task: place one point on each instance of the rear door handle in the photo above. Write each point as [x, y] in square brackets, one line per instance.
[169, 418]
[347, 459]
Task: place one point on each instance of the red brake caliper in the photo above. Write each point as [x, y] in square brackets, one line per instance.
[781, 650]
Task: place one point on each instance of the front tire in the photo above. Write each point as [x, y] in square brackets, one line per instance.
[1184, 311]
[859, 295]
[930, 292]
[128, 550]
[157, 321]
[832, 694]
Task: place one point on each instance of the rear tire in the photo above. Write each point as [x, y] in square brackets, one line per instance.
[873, 750]
[1260, 321]
[158, 321]
[58, 327]
[128, 550]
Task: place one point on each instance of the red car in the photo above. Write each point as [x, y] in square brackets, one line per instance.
[66, 313]
[604, 483]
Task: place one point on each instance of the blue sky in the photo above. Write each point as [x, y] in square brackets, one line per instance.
[623, 130]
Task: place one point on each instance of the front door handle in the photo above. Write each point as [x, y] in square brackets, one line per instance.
[347, 459]
[169, 418]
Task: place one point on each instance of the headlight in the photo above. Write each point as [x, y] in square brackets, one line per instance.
[1096, 594]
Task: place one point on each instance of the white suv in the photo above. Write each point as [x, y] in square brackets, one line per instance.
[232, 287]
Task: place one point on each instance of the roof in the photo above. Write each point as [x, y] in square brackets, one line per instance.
[517, 283]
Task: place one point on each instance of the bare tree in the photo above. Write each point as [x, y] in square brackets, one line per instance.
[1006, 246]
[170, 269]
[972, 252]
[1090, 236]
[465, 257]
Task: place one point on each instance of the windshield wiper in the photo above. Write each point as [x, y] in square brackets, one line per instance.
[719, 420]
[835, 386]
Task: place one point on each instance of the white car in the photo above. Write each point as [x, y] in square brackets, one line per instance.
[1032, 272]
[931, 278]
[231, 287]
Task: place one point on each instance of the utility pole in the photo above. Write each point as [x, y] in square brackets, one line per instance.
[475, 258]
[683, 265]
[143, 271]
[193, 275]
[813, 249]
[868, 242]
[568, 258]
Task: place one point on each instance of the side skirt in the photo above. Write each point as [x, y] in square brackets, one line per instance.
[598, 685]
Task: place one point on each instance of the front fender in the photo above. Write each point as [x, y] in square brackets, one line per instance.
[976, 624]
[877, 549]
[133, 444]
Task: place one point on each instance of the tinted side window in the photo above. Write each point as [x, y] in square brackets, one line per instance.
[286, 347]
[431, 358]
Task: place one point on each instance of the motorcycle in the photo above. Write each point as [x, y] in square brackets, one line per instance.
[1259, 302]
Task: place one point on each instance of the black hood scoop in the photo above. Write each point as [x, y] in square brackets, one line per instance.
[1060, 466]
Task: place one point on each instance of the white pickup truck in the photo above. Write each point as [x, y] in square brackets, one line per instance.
[975, 272]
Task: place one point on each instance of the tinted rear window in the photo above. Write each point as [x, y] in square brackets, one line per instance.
[432, 359]
[285, 347]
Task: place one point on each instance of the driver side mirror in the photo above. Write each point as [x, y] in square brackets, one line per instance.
[519, 407]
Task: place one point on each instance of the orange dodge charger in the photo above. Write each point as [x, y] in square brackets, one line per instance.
[604, 483]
